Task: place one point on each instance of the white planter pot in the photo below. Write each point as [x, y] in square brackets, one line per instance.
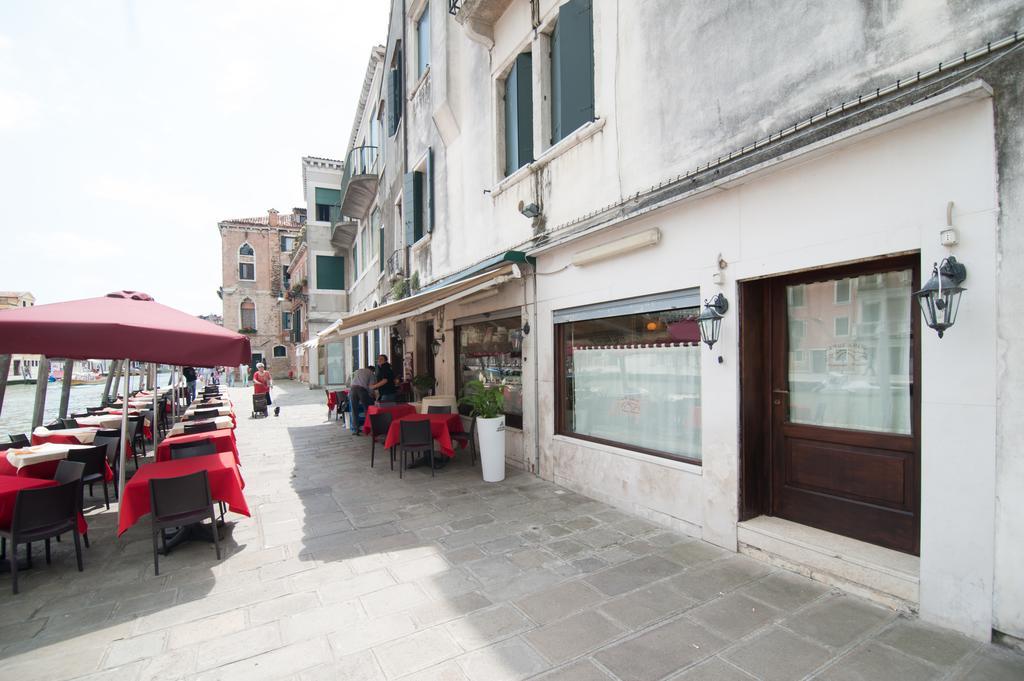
[491, 433]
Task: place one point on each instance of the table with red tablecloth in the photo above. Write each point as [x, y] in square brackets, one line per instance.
[10, 486]
[397, 411]
[441, 428]
[219, 423]
[226, 485]
[40, 460]
[190, 415]
[224, 440]
[67, 436]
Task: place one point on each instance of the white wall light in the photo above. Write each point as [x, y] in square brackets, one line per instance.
[649, 237]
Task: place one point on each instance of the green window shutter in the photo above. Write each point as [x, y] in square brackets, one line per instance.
[412, 204]
[428, 193]
[394, 100]
[328, 197]
[519, 114]
[572, 68]
[330, 272]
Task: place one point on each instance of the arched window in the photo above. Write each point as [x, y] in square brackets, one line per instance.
[248, 314]
[280, 351]
[246, 262]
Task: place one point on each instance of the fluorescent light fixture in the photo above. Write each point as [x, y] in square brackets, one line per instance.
[611, 249]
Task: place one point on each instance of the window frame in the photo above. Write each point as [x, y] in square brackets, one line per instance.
[422, 67]
[273, 351]
[516, 419]
[255, 314]
[251, 261]
[315, 256]
[286, 326]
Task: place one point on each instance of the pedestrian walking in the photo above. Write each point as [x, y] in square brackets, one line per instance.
[230, 372]
[190, 382]
[262, 382]
[243, 374]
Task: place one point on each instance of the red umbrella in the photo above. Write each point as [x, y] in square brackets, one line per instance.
[119, 325]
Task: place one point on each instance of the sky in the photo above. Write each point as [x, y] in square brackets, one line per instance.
[128, 129]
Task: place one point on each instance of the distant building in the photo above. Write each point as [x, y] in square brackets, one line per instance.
[213, 318]
[23, 367]
[254, 260]
[10, 299]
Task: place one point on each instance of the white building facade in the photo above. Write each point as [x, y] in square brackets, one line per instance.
[580, 177]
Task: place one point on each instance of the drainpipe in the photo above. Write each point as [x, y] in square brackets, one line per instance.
[536, 376]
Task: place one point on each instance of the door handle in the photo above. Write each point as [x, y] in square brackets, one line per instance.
[779, 396]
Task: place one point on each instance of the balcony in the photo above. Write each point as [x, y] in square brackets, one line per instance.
[359, 183]
[395, 265]
[478, 16]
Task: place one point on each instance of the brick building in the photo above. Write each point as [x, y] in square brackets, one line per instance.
[254, 263]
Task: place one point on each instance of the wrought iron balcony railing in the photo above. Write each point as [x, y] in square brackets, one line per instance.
[395, 265]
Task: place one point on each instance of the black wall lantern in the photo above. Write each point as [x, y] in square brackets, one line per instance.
[710, 319]
[940, 297]
[435, 345]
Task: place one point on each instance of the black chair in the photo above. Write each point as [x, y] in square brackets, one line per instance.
[111, 439]
[95, 460]
[55, 425]
[439, 409]
[379, 425]
[186, 450]
[467, 439]
[19, 440]
[415, 438]
[80, 414]
[191, 428]
[147, 415]
[40, 514]
[205, 414]
[94, 410]
[136, 438]
[70, 471]
[259, 405]
[68, 423]
[177, 502]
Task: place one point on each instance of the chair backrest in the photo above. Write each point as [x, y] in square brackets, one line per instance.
[187, 450]
[94, 458]
[380, 423]
[133, 426]
[69, 471]
[19, 439]
[69, 423]
[111, 439]
[184, 494]
[93, 410]
[439, 409]
[80, 415]
[199, 428]
[415, 433]
[43, 507]
[206, 413]
[56, 425]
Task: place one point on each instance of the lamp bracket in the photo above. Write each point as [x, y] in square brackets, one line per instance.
[719, 304]
[954, 270]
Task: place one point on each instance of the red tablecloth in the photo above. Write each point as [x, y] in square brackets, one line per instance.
[60, 439]
[225, 485]
[192, 417]
[47, 469]
[9, 488]
[224, 440]
[441, 427]
[397, 411]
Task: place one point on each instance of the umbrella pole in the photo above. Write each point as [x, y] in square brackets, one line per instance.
[124, 441]
[156, 417]
[5, 367]
[65, 387]
[42, 373]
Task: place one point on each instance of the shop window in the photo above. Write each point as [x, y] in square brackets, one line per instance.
[491, 352]
[280, 351]
[335, 369]
[519, 114]
[628, 374]
[572, 68]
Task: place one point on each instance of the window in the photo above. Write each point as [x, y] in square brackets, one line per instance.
[297, 325]
[491, 351]
[328, 204]
[423, 42]
[355, 353]
[519, 114]
[842, 291]
[795, 295]
[286, 321]
[418, 199]
[355, 260]
[628, 374]
[378, 235]
[366, 246]
[378, 122]
[842, 326]
[335, 371]
[395, 91]
[248, 315]
[286, 277]
[797, 329]
[280, 351]
[246, 263]
[572, 68]
[287, 243]
[330, 272]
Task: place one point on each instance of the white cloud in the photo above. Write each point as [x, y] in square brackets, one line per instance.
[17, 111]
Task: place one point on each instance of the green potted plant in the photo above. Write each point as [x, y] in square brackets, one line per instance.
[422, 385]
[486, 405]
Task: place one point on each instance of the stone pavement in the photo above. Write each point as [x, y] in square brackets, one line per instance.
[347, 572]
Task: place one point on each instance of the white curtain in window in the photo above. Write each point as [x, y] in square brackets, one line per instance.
[645, 396]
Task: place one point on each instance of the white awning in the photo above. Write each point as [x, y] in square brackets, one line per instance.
[388, 314]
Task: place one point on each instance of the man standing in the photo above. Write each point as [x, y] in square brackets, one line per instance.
[190, 382]
[243, 373]
[359, 394]
[385, 385]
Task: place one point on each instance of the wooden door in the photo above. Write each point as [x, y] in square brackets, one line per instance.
[845, 401]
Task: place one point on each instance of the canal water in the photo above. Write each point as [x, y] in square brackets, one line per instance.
[16, 412]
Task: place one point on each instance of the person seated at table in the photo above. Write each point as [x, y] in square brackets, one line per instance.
[359, 394]
[385, 381]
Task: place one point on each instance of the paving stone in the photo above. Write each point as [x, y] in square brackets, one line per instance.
[393, 599]
[494, 568]
[416, 651]
[530, 558]
[639, 608]
[930, 643]
[464, 555]
[136, 648]
[346, 589]
[601, 537]
[993, 664]
[718, 577]
[660, 651]
[273, 665]
[785, 590]
[279, 608]
[487, 626]
[632, 575]
[778, 655]
[446, 671]
[565, 639]
[873, 661]
[734, 615]
[371, 633]
[252, 641]
[566, 547]
[509, 660]
[192, 633]
[838, 621]
[558, 601]
[446, 609]
[693, 553]
[325, 619]
[714, 669]
[581, 670]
